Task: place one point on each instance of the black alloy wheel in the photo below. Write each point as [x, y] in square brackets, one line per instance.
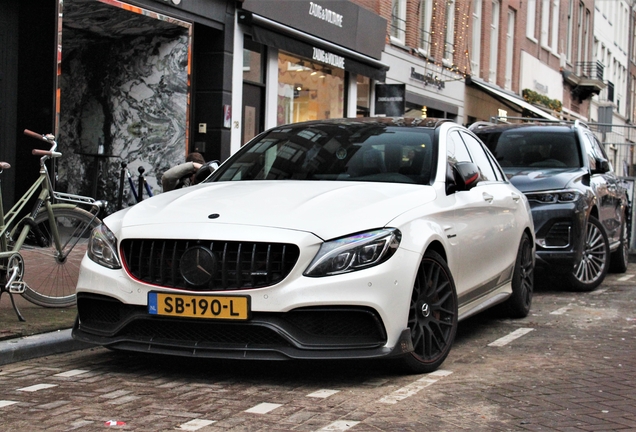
[591, 269]
[432, 315]
[518, 304]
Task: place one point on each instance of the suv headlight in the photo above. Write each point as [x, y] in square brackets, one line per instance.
[102, 247]
[551, 197]
[355, 252]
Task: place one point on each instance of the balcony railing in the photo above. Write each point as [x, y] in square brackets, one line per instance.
[590, 70]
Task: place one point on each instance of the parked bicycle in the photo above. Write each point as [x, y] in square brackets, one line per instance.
[40, 253]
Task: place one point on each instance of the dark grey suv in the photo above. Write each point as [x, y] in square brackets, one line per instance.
[579, 207]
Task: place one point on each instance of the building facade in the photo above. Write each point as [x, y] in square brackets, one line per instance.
[141, 82]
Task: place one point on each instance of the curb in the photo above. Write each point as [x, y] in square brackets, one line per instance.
[26, 348]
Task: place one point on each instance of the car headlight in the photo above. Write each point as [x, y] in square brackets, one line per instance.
[551, 197]
[355, 252]
[102, 247]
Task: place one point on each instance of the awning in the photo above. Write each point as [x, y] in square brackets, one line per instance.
[271, 33]
[510, 98]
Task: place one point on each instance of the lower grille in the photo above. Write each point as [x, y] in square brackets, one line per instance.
[229, 265]
[306, 328]
[559, 235]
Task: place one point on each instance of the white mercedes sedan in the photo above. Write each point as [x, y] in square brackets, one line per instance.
[336, 239]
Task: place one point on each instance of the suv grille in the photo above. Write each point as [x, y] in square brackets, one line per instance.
[231, 265]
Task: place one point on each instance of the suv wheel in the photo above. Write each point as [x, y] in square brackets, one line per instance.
[620, 257]
[590, 271]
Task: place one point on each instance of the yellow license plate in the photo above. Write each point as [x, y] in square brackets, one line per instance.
[199, 306]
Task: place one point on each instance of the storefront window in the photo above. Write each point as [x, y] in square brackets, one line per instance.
[308, 90]
[364, 96]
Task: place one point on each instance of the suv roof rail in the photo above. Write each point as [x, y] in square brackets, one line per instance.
[479, 125]
[506, 119]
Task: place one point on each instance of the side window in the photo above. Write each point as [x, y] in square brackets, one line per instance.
[456, 149]
[589, 151]
[480, 157]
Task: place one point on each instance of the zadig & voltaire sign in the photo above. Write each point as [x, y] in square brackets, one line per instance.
[325, 14]
[329, 58]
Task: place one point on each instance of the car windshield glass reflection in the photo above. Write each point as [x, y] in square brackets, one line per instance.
[369, 152]
[534, 150]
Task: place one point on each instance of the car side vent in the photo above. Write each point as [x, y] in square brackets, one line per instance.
[224, 265]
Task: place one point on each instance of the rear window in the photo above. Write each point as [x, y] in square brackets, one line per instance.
[534, 149]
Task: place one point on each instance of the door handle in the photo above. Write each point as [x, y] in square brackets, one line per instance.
[487, 197]
[515, 197]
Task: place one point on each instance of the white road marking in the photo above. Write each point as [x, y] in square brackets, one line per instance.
[626, 277]
[37, 387]
[509, 338]
[414, 387]
[323, 393]
[263, 408]
[340, 425]
[560, 311]
[5, 403]
[71, 373]
[195, 424]
[601, 291]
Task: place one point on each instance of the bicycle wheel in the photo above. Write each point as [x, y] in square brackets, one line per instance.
[51, 280]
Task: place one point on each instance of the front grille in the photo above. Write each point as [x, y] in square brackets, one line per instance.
[236, 265]
[559, 235]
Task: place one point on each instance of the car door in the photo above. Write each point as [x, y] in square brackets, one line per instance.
[484, 222]
[606, 189]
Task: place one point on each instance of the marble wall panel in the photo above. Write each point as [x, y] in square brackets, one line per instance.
[122, 100]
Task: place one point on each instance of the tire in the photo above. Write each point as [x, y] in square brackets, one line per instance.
[51, 282]
[620, 257]
[590, 271]
[432, 315]
[518, 304]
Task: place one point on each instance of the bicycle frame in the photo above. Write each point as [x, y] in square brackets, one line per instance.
[11, 261]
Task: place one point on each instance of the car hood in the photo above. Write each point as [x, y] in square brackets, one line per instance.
[543, 179]
[326, 209]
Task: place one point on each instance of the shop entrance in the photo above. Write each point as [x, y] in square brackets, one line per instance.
[123, 95]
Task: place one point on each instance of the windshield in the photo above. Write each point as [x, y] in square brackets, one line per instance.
[353, 151]
[534, 149]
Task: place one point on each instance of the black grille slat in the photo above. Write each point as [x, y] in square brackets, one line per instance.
[240, 265]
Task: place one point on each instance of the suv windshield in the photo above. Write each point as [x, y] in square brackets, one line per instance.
[365, 151]
[533, 148]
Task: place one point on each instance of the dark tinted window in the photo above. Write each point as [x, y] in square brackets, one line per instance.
[335, 151]
[534, 148]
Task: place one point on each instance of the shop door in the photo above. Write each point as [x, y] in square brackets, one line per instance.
[253, 95]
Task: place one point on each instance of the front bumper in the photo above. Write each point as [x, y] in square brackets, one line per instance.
[559, 230]
[303, 333]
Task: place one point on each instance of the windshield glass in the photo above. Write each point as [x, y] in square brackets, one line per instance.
[534, 149]
[356, 151]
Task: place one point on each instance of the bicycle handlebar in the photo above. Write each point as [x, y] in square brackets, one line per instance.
[35, 135]
[53, 154]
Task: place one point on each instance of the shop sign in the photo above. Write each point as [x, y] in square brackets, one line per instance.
[428, 79]
[325, 14]
[341, 22]
[329, 58]
[390, 99]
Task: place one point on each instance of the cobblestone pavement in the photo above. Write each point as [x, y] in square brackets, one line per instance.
[569, 366]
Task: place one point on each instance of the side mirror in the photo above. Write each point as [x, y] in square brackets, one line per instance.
[602, 166]
[205, 171]
[466, 175]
